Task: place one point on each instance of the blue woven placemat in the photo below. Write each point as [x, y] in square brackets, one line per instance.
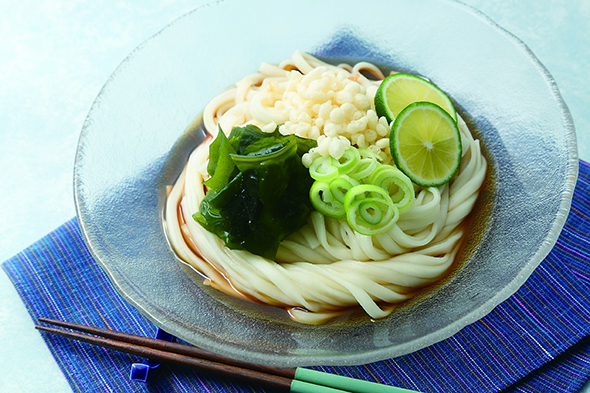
[533, 342]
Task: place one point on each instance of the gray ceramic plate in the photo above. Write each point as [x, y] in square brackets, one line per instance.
[142, 126]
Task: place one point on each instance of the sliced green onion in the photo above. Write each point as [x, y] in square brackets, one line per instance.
[322, 169]
[323, 201]
[341, 185]
[370, 212]
[369, 209]
[365, 167]
[396, 183]
[348, 161]
[366, 153]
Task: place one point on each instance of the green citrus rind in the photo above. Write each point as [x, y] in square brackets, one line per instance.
[425, 144]
[397, 91]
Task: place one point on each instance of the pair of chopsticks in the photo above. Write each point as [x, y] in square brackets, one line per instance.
[296, 380]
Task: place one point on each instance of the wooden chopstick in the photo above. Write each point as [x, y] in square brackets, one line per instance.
[170, 347]
[296, 380]
[279, 383]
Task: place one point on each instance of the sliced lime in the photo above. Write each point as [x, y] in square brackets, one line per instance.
[425, 144]
[397, 91]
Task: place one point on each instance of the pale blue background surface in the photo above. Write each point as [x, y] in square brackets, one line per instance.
[55, 55]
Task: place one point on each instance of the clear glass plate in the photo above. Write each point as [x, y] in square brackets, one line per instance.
[144, 123]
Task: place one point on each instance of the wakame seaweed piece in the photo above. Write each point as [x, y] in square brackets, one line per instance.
[267, 200]
[290, 210]
[284, 185]
[267, 147]
[278, 166]
[277, 162]
[233, 215]
[270, 167]
[303, 144]
[221, 167]
[242, 137]
[228, 212]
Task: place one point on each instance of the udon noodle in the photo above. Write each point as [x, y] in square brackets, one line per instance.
[325, 268]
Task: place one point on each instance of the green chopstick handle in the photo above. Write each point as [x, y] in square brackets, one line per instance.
[306, 387]
[346, 384]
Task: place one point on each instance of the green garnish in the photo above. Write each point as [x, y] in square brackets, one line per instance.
[369, 209]
[426, 144]
[259, 189]
[348, 161]
[399, 186]
[322, 169]
[220, 169]
[365, 165]
[397, 91]
[341, 185]
[325, 201]
[369, 196]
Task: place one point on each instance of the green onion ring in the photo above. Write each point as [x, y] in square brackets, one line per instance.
[396, 183]
[357, 203]
[365, 167]
[348, 162]
[322, 169]
[340, 185]
[323, 201]
[366, 153]
[370, 212]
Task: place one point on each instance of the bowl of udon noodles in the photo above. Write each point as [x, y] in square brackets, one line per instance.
[329, 294]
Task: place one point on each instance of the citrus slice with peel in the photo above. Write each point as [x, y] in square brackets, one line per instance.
[426, 144]
[397, 91]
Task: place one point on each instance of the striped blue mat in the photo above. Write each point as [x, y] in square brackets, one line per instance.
[536, 341]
